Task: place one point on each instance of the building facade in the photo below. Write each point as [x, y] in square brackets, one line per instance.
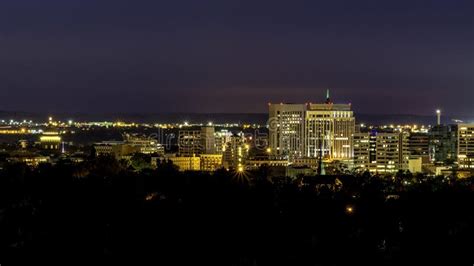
[311, 130]
[222, 138]
[186, 163]
[211, 162]
[208, 140]
[144, 144]
[381, 152]
[328, 131]
[50, 140]
[418, 144]
[466, 146]
[189, 143]
[286, 129]
[443, 143]
[117, 149]
[236, 152]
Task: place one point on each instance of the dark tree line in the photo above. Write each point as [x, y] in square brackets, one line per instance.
[107, 208]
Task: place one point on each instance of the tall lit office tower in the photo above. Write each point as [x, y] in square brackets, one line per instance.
[466, 146]
[208, 140]
[286, 128]
[328, 130]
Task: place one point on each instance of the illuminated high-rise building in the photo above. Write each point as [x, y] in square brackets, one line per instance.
[286, 128]
[466, 146]
[381, 152]
[312, 130]
[328, 130]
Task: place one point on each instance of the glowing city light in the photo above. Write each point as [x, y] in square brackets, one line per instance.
[350, 209]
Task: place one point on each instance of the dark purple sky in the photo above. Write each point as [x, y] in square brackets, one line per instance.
[235, 56]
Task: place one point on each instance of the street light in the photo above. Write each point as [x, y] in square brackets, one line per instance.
[350, 209]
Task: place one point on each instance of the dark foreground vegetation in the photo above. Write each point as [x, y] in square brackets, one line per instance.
[107, 209]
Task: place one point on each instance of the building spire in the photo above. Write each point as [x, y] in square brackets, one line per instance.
[328, 98]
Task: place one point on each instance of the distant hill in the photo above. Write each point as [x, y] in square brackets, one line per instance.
[251, 118]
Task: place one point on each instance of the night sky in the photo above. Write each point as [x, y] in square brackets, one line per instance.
[157, 56]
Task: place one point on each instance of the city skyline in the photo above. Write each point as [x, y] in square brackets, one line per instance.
[212, 57]
[237, 132]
